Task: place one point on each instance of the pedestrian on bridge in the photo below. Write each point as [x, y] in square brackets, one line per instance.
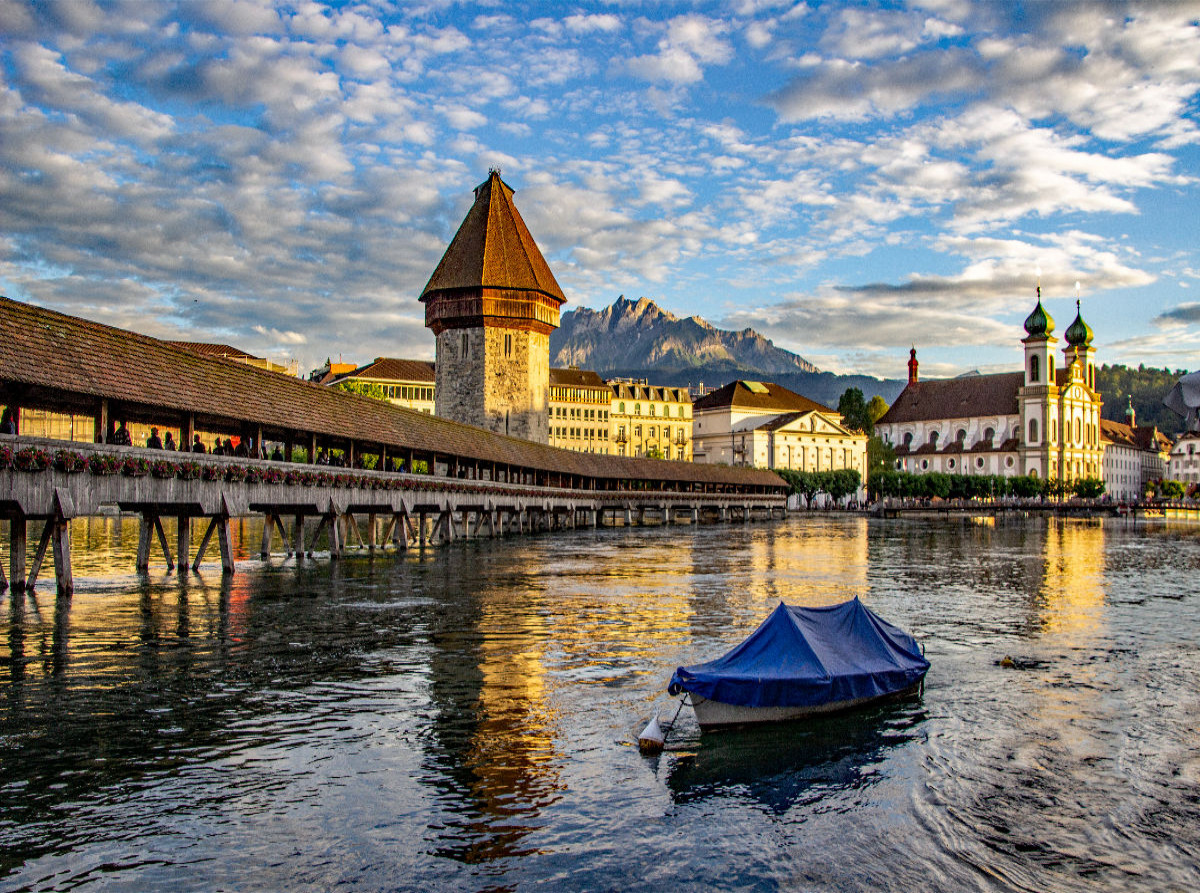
[169, 443]
[153, 442]
[197, 446]
[121, 436]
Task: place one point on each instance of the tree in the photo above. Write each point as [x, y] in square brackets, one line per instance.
[1171, 490]
[876, 407]
[362, 388]
[881, 456]
[853, 409]
[1088, 488]
[842, 483]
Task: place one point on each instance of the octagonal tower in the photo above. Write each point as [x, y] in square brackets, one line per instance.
[492, 303]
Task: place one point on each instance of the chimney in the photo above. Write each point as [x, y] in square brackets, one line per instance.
[912, 366]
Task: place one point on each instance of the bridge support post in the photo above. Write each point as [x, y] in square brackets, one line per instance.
[61, 543]
[40, 554]
[17, 531]
[183, 542]
[225, 540]
[298, 538]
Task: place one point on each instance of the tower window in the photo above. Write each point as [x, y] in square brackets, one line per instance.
[508, 345]
[1034, 369]
[464, 345]
[1033, 431]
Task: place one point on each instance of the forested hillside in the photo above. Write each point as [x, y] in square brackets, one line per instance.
[1148, 387]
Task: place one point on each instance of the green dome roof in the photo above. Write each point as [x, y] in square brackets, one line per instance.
[1039, 322]
[1079, 332]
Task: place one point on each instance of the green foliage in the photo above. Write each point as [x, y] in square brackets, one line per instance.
[1147, 387]
[1171, 489]
[853, 409]
[1088, 488]
[363, 389]
[836, 484]
[935, 485]
[876, 407]
[881, 456]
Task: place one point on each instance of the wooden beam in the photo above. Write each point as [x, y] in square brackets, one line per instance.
[40, 554]
[212, 526]
[183, 542]
[162, 541]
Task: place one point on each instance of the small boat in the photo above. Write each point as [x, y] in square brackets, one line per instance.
[801, 662]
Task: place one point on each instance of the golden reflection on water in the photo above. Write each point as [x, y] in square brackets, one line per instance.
[512, 753]
[1072, 590]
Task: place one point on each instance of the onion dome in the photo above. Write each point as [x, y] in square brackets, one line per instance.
[1039, 323]
[1078, 332]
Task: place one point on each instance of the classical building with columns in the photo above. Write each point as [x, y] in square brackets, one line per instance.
[492, 303]
[1042, 421]
[764, 425]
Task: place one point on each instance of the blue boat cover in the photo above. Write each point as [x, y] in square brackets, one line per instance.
[804, 657]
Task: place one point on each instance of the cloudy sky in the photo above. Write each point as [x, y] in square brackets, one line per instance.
[849, 179]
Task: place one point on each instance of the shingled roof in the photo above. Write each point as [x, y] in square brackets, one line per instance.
[52, 360]
[210, 349]
[956, 398]
[493, 249]
[765, 396]
[576, 378]
[394, 369]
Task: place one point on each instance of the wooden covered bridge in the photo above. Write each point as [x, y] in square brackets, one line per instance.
[470, 481]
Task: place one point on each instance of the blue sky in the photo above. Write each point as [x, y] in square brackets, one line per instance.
[848, 179]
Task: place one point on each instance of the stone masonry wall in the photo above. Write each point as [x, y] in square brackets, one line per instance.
[500, 380]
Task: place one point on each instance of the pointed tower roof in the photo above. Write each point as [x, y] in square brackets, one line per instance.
[1079, 332]
[493, 249]
[1039, 324]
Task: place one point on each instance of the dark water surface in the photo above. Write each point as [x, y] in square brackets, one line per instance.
[464, 718]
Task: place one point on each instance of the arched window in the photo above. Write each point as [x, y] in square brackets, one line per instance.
[651, 410]
[1033, 431]
[1078, 432]
[621, 408]
[637, 409]
[933, 438]
[1034, 369]
[908, 440]
[989, 435]
[1050, 367]
[961, 435]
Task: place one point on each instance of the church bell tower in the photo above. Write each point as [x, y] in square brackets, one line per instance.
[492, 303]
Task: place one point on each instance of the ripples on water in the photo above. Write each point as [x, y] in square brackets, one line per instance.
[464, 718]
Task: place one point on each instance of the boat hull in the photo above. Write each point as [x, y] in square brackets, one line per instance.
[713, 715]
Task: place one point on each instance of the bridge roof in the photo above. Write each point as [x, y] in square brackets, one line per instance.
[51, 360]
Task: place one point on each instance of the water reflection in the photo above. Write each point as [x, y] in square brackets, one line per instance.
[462, 717]
[794, 764]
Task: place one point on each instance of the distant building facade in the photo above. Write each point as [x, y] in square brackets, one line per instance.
[1134, 456]
[1183, 464]
[650, 420]
[765, 425]
[580, 403]
[492, 303]
[408, 383]
[1041, 421]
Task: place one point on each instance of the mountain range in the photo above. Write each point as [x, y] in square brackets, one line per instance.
[638, 339]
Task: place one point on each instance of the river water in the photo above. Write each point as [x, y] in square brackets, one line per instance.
[464, 717]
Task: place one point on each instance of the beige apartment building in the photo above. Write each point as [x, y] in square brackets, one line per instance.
[407, 383]
[651, 420]
[580, 403]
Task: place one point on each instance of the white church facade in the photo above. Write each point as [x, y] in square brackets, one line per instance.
[1042, 421]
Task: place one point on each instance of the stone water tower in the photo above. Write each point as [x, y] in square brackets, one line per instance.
[492, 303]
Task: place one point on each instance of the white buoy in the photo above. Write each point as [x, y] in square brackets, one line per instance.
[651, 740]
